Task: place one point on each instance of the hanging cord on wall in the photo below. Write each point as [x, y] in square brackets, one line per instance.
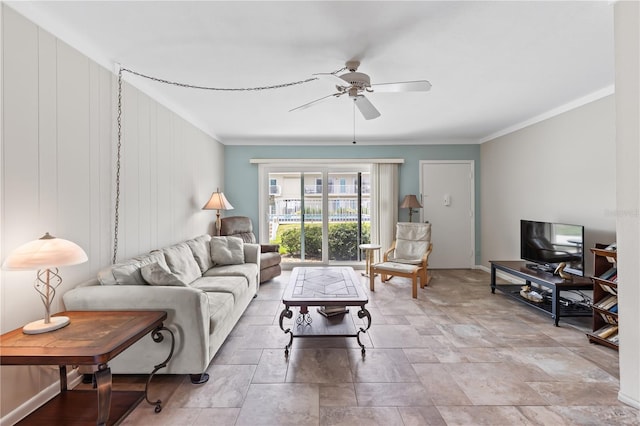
[118, 156]
[226, 89]
[188, 86]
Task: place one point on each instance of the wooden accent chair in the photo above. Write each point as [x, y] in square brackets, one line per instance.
[407, 257]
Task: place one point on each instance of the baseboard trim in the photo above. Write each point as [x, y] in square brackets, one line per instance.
[625, 399]
[38, 400]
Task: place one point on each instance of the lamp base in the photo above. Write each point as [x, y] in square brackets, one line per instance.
[37, 327]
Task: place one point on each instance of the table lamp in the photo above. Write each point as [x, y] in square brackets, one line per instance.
[218, 202]
[410, 202]
[45, 255]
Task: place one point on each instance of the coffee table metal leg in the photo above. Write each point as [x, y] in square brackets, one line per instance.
[304, 317]
[363, 313]
[286, 313]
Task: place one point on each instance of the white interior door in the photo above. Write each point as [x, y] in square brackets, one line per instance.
[447, 190]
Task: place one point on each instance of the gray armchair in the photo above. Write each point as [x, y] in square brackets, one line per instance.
[241, 226]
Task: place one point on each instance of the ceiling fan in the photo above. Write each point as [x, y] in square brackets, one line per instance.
[355, 84]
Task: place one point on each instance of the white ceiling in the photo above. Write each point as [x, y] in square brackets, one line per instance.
[493, 65]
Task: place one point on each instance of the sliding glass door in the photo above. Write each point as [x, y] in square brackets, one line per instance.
[318, 214]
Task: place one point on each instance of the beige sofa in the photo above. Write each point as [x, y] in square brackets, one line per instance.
[204, 284]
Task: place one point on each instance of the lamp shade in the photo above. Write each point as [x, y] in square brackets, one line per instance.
[410, 202]
[46, 252]
[218, 202]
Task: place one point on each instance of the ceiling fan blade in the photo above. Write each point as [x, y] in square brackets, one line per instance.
[307, 105]
[402, 86]
[333, 78]
[367, 109]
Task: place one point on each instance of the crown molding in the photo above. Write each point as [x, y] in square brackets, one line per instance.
[598, 94]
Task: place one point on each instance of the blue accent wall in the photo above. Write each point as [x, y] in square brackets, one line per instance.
[241, 177]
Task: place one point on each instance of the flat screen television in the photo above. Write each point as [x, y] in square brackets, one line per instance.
[548, 244]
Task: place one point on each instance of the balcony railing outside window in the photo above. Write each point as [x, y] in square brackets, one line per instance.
[340, 210]
[337, 189]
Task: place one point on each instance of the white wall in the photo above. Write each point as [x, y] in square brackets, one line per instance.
[558, 170]
[58, 170]
[596, 150]
[627, 43]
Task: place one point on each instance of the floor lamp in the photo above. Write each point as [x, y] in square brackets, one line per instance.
[410, 202]
[218, 202]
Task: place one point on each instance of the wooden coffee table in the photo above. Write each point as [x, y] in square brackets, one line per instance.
[91, 338]
[324, 287]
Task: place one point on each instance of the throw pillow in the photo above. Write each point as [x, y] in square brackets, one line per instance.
[155, 274]
[227, 250]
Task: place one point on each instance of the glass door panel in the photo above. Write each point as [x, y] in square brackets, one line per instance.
[295, 215]
[348, 223]
[312, 235]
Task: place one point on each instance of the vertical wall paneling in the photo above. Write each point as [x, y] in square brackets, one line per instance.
[153, 176]
[106, 147]
[47, 132]
[144, 171]
[20, 160]
[94, 162]
[20, 184]
[130, 176]
[74, 171]
[163, 170]
[58, 175]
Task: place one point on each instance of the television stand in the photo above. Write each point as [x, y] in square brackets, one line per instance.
[539, 267]
[547, 281]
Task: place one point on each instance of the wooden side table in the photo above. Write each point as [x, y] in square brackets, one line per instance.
[91, 338]
[369, 250]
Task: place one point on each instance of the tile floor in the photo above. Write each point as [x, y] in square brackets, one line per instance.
[457, 355]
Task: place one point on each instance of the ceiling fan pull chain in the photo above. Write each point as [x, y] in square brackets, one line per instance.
[354, 121]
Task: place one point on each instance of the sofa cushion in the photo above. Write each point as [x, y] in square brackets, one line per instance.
[181, 262]
[201, 249]
[220, 309]
[246, 270]
[128, 272]
[227, 250]
[155, 274]
[235, 285]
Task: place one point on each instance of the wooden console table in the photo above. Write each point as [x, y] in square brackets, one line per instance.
[91, 338]
[551, 282]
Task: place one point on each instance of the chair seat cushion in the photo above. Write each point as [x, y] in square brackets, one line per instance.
[396, 267]
[407, 261]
